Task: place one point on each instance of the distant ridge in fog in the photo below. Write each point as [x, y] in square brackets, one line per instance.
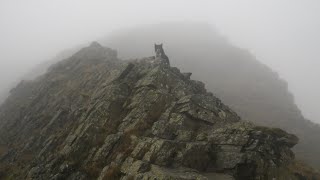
[251, 88]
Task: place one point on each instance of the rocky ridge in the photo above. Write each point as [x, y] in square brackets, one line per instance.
[95, 116]
[253, 90]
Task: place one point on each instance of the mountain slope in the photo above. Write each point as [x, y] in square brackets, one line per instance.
[251, 88]
[95, 116]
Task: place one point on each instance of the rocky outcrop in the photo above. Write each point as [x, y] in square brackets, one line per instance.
[95, 116]
[235, 75]
[249, 87]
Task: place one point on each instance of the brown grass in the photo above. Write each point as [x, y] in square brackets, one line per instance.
[125, 144]
[92, 170]
[3, 150]
[113, 173]
[27, 156]
[303, 169]
[4, 169]
[125, 147]
[130, 177]
[8, 171]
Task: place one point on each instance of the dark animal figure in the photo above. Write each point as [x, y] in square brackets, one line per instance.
[160, 53]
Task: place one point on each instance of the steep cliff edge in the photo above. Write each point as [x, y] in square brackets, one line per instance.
[95, 116]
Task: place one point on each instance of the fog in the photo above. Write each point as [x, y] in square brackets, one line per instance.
[282, 34]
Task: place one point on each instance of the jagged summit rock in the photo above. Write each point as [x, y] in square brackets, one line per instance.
[93, 116]
[96, 52]
[95, 44]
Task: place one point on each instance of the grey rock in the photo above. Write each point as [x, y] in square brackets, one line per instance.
[95, 116]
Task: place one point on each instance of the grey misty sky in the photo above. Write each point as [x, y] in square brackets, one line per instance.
[283, 34]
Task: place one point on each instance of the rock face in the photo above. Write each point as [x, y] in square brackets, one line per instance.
[236, 76]
[93, 116]
[250, 88]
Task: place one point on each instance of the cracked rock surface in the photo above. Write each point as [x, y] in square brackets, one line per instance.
[93, 116]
